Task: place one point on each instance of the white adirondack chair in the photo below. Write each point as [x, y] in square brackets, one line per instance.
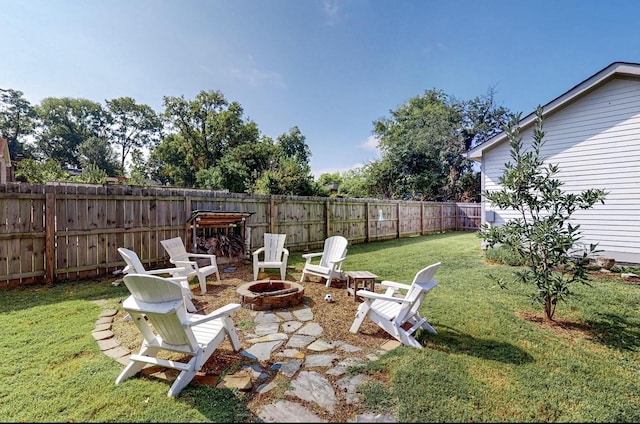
[157, 309]
[331, 260]
[178, 275]
[179, 256]
[397, 315]
[274, 255]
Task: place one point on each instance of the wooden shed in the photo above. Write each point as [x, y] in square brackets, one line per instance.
[224, 234]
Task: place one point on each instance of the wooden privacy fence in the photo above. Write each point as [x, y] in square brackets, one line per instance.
[72, 231]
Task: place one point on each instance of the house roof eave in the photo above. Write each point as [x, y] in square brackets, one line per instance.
[614, 70]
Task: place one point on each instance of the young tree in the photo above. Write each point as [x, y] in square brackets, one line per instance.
[542, 234]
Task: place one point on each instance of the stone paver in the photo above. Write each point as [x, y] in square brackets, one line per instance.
[281, 334]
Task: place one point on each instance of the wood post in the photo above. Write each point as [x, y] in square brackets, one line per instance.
[327, 217]
[272, 215]
[367, 237]
[50, 237]
[398, 215]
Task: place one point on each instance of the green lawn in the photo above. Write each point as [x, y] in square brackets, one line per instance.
[491, 361]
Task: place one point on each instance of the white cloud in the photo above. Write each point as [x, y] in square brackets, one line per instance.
[371, 144]
[331, 11]
[256, 77]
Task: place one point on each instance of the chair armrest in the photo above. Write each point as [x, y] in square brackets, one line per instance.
[212, 258]
[377, 296]
[309, 256]
[187, 265]
[394, 289]
[173, 271]
[285, 251]
[257, 252]
[395, 285]
[220, 312]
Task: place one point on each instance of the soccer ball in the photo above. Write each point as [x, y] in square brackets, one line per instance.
[328, 297]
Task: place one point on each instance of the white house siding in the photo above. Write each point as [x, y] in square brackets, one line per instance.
[595, 142]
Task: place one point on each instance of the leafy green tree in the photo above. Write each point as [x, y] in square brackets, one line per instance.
[288, 171]
[328, 184]
[91, 174]
[423, 142]
[542, 233]
[168, 162]
[97, 152]
[133, 126]
[240, 167]
[40, 172]
[352, 183]
[293, 145]
[139, 174]
[289, 178]
[411, 142]
[17, 122]
[65, 123]
[208, 127]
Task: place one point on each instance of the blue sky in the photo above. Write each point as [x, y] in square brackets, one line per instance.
[329, 67]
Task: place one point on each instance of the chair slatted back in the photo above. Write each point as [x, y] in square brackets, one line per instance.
[175, 248]
[335, 247]
[422, 283]
[134, 265]
[160, 301]
[273, 247]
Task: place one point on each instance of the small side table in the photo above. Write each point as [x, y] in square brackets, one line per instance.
[360, 280]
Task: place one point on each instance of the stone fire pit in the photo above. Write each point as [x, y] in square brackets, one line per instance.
[270, 294]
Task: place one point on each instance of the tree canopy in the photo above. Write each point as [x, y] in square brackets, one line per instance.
[423, 142]
[207, 142]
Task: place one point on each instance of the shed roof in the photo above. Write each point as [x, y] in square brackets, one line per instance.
[615, 70]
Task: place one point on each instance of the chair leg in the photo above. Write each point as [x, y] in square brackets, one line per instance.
[283, 273]
[181, 382]
[361, 314]
[203, 283]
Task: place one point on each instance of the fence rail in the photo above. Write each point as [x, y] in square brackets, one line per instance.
[59, 232]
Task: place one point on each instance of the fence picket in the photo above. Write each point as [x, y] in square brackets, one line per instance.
[91, 221]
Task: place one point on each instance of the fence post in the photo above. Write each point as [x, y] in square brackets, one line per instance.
[327, 219]
[398, 214]
[272, 214]
[50, 237]
[187, 212]
[421, 218]
[366, 222]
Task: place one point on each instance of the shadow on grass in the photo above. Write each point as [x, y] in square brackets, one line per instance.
[615, 332]
[451, 341]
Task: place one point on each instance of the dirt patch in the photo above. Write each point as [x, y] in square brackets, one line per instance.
[562, 326]
[335, 318]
